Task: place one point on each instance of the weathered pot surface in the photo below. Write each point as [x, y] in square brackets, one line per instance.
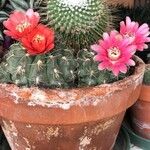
[140, 113]
[63, 119]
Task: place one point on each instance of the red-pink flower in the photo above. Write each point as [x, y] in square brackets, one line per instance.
[138, 35]
[39, 41]
[21, 23]
[114, 53]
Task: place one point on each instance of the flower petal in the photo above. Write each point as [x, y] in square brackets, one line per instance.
[131, 62]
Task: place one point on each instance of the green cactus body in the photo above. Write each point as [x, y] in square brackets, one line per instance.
[18, 64]
[147, 76]
[53, 70]
[5, 76]
[88, 72]
[80, 22]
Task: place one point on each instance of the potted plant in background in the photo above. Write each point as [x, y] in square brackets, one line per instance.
[62, 94]
[138, 121]
[141, 109]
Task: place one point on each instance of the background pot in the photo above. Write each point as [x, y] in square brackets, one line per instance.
[3, 142]
[140, 113]
[65, 119]
[123, 140]
[135, 139]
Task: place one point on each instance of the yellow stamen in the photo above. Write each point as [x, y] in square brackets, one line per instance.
[114, 53]
[38, 38]
[21, 27]
[130, 36]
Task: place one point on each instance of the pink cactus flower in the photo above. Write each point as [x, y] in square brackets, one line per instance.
[138, 35]
[114, 53]
[20, 23]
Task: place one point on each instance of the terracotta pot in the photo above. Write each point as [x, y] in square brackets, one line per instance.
[67, 119]
[140, 113]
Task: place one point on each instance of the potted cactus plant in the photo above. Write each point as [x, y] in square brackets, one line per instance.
[59, 88]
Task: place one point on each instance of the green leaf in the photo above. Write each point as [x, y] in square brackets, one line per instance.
[1, 36]
[19, 4]
[3, 19]
[9, 8]
[3, 13]
[2, 3]
[31, 3]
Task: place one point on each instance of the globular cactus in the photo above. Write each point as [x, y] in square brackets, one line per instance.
[55, 69]
[80, 22]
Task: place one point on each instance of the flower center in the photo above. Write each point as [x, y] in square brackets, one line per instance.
[38, 38]
[114, 53]
[130, 35]
[21, 27]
